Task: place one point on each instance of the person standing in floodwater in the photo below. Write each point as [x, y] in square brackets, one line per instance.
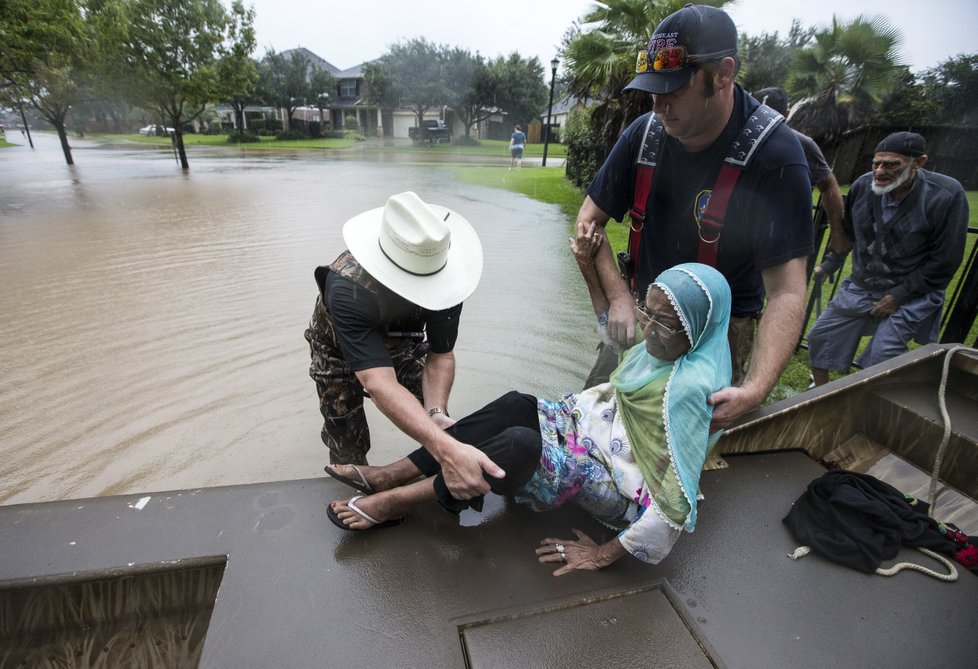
[384, 326]
[517, 142]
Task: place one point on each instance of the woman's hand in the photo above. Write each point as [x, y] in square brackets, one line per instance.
[586, 243]
[582, 554]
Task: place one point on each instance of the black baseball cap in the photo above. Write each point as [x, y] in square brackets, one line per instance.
[905, 143]
[684, 39]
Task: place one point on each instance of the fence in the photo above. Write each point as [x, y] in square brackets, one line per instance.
[950, 151]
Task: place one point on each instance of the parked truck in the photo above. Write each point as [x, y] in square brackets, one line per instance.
[432, 131]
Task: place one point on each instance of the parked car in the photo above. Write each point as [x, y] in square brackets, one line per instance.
[432, 131]
[156, 129]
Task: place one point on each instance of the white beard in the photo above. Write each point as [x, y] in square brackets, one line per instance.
[893, 185]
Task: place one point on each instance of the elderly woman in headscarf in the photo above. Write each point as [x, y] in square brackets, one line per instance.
[629, 452]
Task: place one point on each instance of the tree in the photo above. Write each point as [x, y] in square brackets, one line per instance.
[414, 72]
[520, 87]
[284, 81]
[953, 86]
[322, 84]
[43, 60]
[844, 75]
[766, 59]
[907, 105]
[237, 71]
[380, 90]
[172, 52]
[601, 59]
[472, 87]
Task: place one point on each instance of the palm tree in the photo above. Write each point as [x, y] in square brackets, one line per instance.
[600, 58]
[843, 76]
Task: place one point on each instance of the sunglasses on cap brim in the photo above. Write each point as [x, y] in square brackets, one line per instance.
[669, 59]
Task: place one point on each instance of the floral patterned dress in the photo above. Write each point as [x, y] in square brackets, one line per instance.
[587, 459]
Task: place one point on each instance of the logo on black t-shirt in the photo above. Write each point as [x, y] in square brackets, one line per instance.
[699, 207]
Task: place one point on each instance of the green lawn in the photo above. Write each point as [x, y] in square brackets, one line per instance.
[4, 143]
[546, 184]
[221, 140]
[484, 148]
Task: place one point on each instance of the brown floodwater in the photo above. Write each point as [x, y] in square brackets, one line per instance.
[151, 321]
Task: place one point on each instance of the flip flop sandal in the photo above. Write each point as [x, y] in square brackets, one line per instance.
[359, 486]
[352, 506]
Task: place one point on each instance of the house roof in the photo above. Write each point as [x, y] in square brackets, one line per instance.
[314, 60]
[355, 72]
[567, 103]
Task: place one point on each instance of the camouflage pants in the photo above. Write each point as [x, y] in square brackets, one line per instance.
[740, 335]
[345, 430]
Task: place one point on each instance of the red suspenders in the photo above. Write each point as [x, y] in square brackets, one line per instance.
[756, 130]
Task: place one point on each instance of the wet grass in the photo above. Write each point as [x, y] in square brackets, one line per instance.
[481, 148]
[222, 141]
[487, 148]
[544, 184]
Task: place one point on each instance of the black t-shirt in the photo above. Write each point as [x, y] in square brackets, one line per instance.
[818, 167]
[362, 320]
[769, 217]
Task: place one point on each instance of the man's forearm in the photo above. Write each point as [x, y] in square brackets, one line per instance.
[437, 379]
[839, 241]
[779, 327]
[403, 410]
[606, 268]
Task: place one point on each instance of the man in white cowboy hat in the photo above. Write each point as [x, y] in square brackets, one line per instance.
[385, 325]
[730, 189]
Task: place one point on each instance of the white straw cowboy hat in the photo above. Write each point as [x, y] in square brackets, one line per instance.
[426, 253]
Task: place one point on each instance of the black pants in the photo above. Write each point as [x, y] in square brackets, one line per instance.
[508, 431]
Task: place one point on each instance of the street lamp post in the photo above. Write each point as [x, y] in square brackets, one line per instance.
[550, 107]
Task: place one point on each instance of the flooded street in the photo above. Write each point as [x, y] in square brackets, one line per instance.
[152, 321]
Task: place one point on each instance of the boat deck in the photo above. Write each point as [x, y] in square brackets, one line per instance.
[295, 591]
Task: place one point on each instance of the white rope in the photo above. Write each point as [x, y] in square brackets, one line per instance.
[949, 577]
[945, 440]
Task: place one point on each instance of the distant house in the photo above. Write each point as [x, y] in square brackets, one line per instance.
[562, 111]
[347, 102]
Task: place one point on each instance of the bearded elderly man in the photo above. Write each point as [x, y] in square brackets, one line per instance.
[908, 227]
[730, 189]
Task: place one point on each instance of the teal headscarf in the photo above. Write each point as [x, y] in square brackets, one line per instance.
[701, 298]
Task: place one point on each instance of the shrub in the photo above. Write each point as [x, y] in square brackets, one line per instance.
[242, 138]
[583, 149]
[462, 140]
[272, 125]
[291, 135]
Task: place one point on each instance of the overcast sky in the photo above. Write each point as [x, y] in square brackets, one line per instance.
[350, 32]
